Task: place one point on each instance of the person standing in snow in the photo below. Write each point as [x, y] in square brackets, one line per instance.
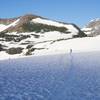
[70, 51]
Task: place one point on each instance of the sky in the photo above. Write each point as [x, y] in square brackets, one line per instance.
[79, 12]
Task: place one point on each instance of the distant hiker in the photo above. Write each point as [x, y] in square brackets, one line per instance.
[70, 51]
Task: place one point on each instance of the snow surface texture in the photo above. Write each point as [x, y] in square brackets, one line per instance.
[71, 77]
[77, 45]
[2, 26]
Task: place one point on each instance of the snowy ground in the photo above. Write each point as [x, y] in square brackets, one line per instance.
[56, 77]
[49, 43]
[86, 44]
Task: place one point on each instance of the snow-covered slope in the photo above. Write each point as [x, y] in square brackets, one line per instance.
[35, 35]
[92, 28]
[70, 27]
[4, 27]
[86, 44]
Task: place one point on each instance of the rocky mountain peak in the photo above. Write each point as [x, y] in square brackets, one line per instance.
[28, 17]
[93, 27]
[93, 23]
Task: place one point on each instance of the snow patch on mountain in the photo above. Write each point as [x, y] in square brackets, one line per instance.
[47, 22]
[71, 28]
[87, 30]
[10, 25]
[2, 27]
[93, 20]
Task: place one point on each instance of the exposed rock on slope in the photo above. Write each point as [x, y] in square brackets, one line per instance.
[30, 34]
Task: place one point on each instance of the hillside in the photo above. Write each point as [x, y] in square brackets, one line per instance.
[31, 34]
